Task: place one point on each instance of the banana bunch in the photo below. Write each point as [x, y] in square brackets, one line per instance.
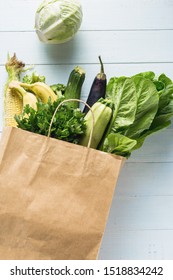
[41, 91]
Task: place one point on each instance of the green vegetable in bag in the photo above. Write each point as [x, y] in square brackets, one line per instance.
[68, 124]
[142, 105]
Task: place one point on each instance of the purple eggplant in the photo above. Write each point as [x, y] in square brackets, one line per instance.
[98, 88]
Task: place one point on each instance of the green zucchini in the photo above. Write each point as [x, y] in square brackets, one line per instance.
[102, 112]
[74, 86]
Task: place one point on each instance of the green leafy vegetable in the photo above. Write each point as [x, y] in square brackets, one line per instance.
[118, 144]
[165, 80]
[68, 123]
[122, 93]
[164, 113]
[33, 78]
[146, 108]
[59, 89]
[147, 75]
[143, 104]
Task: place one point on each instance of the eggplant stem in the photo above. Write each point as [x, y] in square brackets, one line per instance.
[102, 67]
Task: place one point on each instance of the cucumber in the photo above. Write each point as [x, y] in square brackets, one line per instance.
[102, 113]
[74, 86]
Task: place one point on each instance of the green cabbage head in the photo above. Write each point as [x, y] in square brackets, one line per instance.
[57, 21]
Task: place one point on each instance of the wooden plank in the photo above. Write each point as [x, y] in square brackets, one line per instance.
[118, 47]
[141, 212]
[157, 148]
[18, 15]
[115, 15]
[136, 245]
[60, 72]
[128, 14]
[145, 179]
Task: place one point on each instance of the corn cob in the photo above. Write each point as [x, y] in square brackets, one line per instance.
[12, 102]
[41, 90]
[12, 106]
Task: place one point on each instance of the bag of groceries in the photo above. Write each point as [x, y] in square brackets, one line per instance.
[55, 197]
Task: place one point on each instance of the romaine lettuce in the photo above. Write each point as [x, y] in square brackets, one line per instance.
[143, 104]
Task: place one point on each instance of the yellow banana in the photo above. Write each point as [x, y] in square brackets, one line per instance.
[30, 99]
[27, 97]
[41, 90]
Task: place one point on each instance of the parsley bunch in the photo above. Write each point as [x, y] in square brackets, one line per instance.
[67, 125]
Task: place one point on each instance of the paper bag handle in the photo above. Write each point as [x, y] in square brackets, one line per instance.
[77, 100]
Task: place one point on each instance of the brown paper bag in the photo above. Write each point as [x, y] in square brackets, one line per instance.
[54, 197]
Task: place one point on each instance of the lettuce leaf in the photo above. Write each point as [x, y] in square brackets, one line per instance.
[142, 105]
[147, 106]
[122, 92]
[147, 75]
[163, 116]
[118, 144]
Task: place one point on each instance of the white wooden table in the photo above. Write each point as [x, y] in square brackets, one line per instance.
[131, 36]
